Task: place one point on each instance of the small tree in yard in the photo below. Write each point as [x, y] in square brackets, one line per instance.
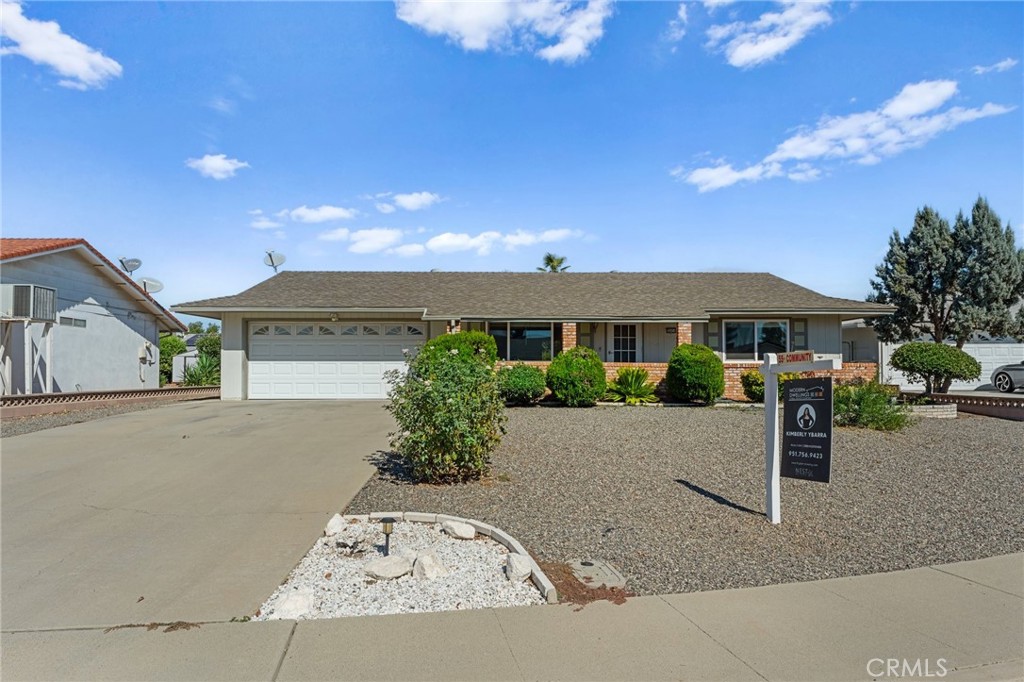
[450, 415]
[170, 346]
[195, 327]
[209, 346]
[935, 364]
[947, 283]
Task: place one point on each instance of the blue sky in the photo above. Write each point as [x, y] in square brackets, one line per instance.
[781, 137]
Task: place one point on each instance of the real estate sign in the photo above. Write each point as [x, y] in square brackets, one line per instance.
[807, 430]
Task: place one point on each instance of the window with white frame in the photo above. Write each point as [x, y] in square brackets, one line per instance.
[624, 343]
[526, 340]
[751, 339]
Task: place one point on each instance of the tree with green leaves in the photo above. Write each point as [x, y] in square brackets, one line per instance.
[213, 328]
[553, 263]
[948, 282]
[195, 327]
[170, 346]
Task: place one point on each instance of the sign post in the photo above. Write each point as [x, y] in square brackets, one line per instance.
[775, 364]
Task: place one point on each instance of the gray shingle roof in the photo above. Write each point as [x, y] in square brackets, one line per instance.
[535, 296]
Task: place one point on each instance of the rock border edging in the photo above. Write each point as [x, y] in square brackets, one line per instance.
[541, 581]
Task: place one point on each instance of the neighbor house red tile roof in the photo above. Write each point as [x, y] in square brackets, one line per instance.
[20, 247]
[14, 247]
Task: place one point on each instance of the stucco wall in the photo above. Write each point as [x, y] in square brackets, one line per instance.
[103, 355]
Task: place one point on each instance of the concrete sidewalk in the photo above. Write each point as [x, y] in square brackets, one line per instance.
[961, 621]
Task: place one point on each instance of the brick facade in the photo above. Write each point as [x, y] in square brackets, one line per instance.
[684, 333]
[568, 335]
[733, 371]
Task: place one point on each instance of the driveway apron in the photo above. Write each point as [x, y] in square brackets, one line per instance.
[195, 511]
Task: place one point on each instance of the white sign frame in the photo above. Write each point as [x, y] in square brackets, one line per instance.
[770, 369]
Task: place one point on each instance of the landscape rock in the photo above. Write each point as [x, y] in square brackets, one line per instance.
[294, 605]
[335, 525]
[428, 566]
[388, 568]
[458, 529]
[518, 567]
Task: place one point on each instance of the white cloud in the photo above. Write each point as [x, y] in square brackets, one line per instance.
[216, 166]
[907, 121]
[523, 238]
[677, 27]
[998, 67]
[452, 242]
[408, 250]
[261, 221]
[43, 42]
[712, 5]
[555, 30]
[374, 239]
[385, 208]
[485, 242]
[223, 105]
[415, 201]
[338, 235]
[751, 43]
[322, 214]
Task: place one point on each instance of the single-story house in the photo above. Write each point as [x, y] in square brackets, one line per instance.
[70, 320]
[311, 335]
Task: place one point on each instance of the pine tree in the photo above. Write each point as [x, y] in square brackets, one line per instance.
[948, 283]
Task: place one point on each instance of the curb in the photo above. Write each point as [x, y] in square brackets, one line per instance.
[541, 581]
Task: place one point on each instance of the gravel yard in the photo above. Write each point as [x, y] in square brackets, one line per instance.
[22, 425]
[674, 497]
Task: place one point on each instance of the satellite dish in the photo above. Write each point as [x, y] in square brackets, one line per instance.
[151, 285]
[130, 264]
[274, 259]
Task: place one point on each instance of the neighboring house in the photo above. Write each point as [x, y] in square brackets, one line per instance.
[181, 362]
[861, 344]
[70, 320]
[334, 334]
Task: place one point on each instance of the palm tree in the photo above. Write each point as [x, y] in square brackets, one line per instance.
[553, 263]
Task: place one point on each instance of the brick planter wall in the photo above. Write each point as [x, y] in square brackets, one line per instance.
[733, 371]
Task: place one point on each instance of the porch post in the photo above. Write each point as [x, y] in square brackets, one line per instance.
[569, 338]
[684, 333]
[453, 327]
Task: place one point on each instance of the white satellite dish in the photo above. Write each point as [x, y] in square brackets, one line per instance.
[274, 259]
[130, 264]
[151, 285]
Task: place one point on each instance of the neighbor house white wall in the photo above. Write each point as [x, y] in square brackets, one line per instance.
[103, 355]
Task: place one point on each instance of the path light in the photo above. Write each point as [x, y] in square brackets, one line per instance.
[388, 525]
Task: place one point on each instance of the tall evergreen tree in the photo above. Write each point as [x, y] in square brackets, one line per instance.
[947, 282]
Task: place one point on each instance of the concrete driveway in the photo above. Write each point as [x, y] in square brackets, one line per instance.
[195, 511]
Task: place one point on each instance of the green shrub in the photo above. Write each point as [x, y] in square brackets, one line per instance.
[695, 374]
[869, 405]
[463, 345]
[450, 417]
[753, 384]
[934, 364]
[209, 345]
[576, 377]
[204, 372]
[169, 347]
[521, 384]
[632, 386]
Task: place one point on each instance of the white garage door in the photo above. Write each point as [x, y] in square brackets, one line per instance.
[314, 360]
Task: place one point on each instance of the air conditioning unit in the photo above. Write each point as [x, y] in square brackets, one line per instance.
[28, 302]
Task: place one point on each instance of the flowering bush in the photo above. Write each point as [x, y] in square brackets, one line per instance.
[521, 384]
[450, 415]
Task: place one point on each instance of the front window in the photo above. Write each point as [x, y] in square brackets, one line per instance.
[526, 340]
[751, 339]
[624, 343]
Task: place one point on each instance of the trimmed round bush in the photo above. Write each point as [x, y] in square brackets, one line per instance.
[576, 377]
[521, 384]
[695, 374]
[934, 364]
[471, 346]
[753, 384]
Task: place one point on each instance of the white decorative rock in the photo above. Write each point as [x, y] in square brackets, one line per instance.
[518, 568]
[428, 566]
[335, 525]
[294, 605]
[458, 529]
[388, 568]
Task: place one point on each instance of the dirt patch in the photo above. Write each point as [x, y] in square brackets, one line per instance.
[572, 591]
